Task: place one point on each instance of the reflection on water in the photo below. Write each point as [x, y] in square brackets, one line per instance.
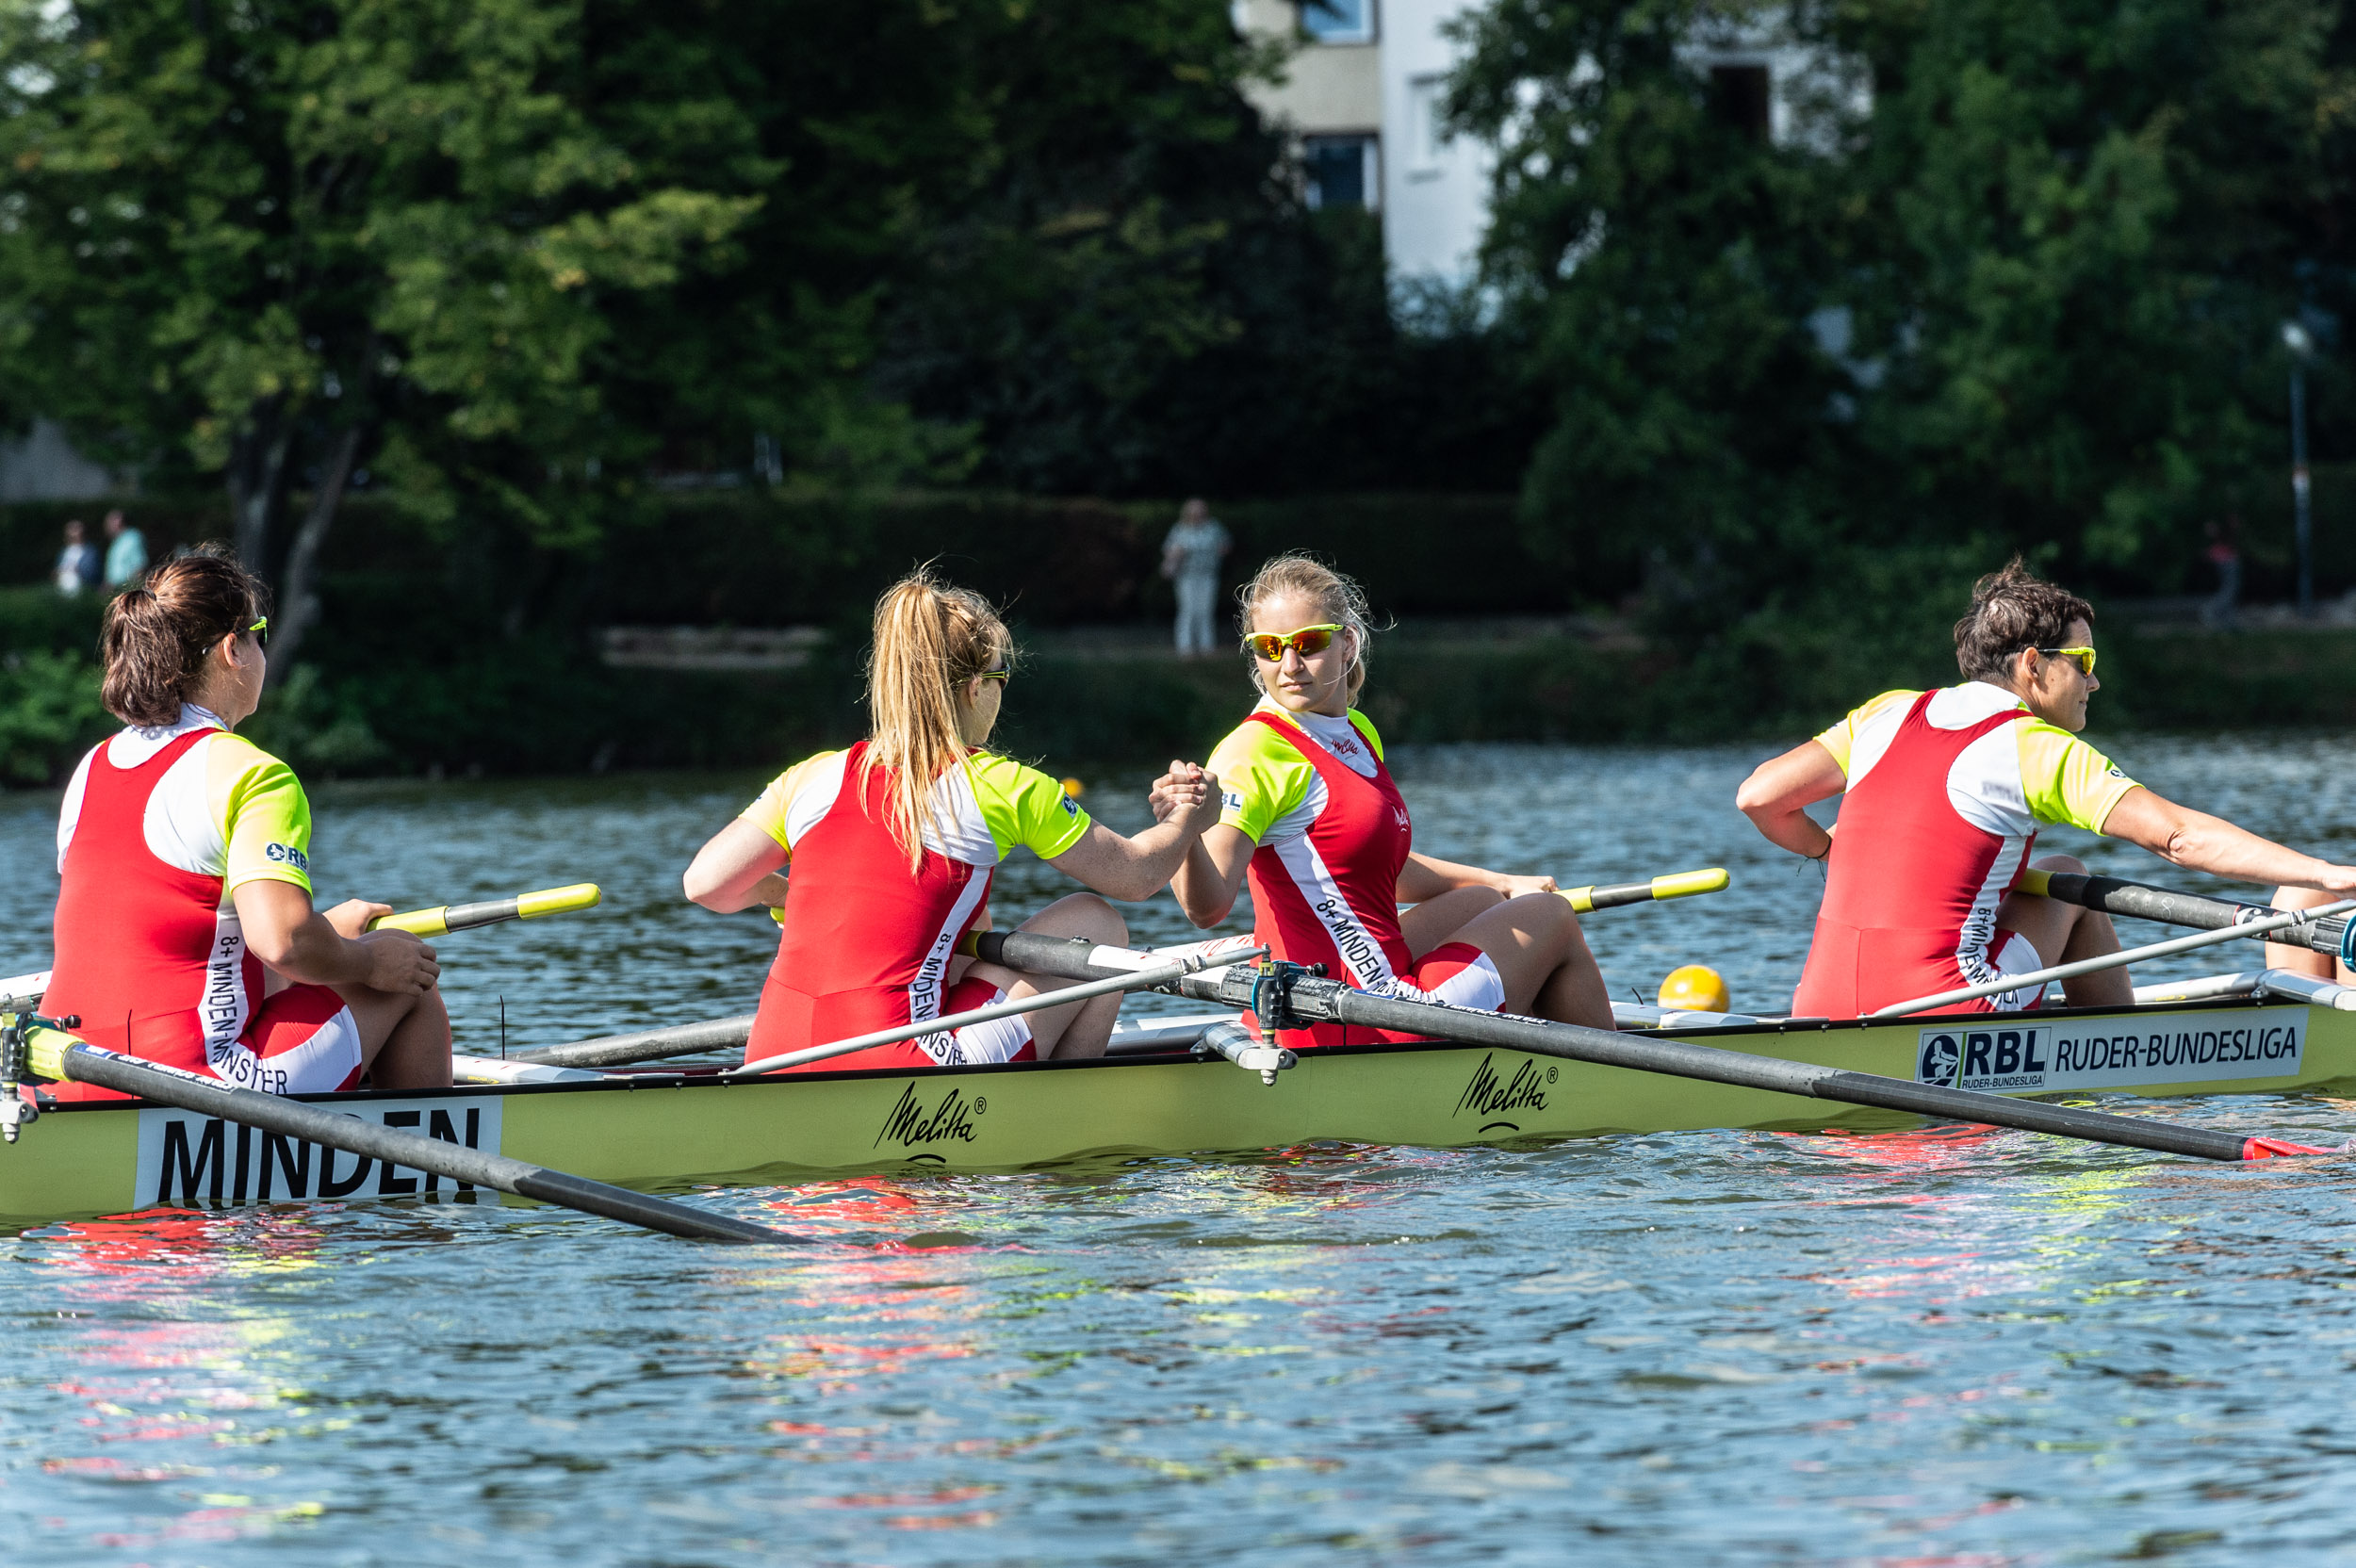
[1942, 1345]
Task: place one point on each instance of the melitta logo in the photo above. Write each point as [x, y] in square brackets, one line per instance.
[908, 1124]
[1487, 1096]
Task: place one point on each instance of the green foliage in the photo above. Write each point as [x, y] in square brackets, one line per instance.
[2011, 275]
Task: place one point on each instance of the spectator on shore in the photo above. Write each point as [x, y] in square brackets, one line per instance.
[2224, 553]
[77, 563]
[126, 550]
[1191, 557]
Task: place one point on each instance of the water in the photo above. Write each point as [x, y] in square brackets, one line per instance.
[1924, 1348]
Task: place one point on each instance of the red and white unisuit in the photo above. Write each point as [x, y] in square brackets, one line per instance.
[1333, 834]
[1945, 793]
[158, 827]
[869, 945]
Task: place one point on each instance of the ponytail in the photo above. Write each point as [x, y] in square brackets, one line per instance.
[930, 640]
[155, 634]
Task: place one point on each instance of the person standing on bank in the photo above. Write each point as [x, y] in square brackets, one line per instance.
[76, 571]
[1311, 818]
[1190, 559]
[126, 550]
[1944, 792]
[185, 931]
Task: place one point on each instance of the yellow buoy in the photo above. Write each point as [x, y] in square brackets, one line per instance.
[1696, 989]
[1073, 788]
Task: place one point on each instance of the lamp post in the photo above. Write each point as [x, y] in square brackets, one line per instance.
[2296, 339]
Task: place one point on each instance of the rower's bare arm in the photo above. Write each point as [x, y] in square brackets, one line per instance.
[1134, 870]
[1780, 792]
[335, 948]
[737, 870]
[1423, 877]
[2198, 841]
[1213, 875]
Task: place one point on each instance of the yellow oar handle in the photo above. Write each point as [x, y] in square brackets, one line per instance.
[2037, 882]
[1677, 884]
[463, 917]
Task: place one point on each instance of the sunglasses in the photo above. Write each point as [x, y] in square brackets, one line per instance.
[995, 675]
[259, 631]
[1310, 639]
[2083, 658]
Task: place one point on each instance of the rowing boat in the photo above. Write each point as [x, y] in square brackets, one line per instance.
[1156, 1095]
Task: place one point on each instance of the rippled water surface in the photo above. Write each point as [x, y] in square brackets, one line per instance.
[1939, 1347]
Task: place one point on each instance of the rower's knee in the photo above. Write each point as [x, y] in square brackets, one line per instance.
[2067, 864]
[1081, 915]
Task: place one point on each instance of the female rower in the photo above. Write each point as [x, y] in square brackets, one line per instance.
[185, 932]
[891, 846]
[1313, 821]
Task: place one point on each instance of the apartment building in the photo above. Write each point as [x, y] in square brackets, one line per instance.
[1362, 93]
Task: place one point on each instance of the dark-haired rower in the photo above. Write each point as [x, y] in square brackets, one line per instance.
[1945, 792]
[185, 932]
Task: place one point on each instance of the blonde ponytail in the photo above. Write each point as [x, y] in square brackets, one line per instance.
[930, 640]
[1338, 598]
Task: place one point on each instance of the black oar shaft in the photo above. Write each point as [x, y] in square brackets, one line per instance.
[1328, 1001]
[2139, 900]
[293, 1119]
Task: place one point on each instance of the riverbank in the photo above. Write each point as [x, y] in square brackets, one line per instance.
[1116, 695]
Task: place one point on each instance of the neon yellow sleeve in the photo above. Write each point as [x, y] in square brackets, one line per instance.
[263, 816]
[1366, 726]
[768, 809]
[2067, 780]
[1261, 778]
[1840, 740]
[1022, 806]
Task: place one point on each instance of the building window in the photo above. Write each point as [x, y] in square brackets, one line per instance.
[1740, 96]
[1341, 171]
[1427, 123]
[1338, 21]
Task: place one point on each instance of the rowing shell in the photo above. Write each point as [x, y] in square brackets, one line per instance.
[668, 1129]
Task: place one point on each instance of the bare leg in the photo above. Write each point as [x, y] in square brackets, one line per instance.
[1075, 1029]
[1437, 920]
[2064, 933]
[1541, 955]
[2300, 960]
[405, 1037]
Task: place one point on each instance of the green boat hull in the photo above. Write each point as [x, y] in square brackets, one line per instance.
[669, 1130]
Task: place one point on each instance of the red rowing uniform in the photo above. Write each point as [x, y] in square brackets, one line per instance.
[867, 944]
[1945, 793]
[1313, 792]
[159, 826]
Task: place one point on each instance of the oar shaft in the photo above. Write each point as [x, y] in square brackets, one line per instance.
[1683, 884]
[1328, 1001]
[89, 1064]
[2140, 901]
[447, 918]
[2279, 921]
[647, 1045]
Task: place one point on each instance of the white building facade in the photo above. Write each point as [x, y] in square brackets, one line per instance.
[1362, 95]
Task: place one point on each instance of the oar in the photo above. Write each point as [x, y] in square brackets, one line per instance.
[2280, 921]
[1682, 884]
[647, 1045]
[1316, 1001]
[2114, 897]
[1134, 972]
[466, 917]
[54, 1055]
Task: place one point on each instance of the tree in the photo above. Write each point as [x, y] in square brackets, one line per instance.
[464, 241]
[2024, 290]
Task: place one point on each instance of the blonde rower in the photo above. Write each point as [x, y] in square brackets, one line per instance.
[892, 843]
[1312, 819]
